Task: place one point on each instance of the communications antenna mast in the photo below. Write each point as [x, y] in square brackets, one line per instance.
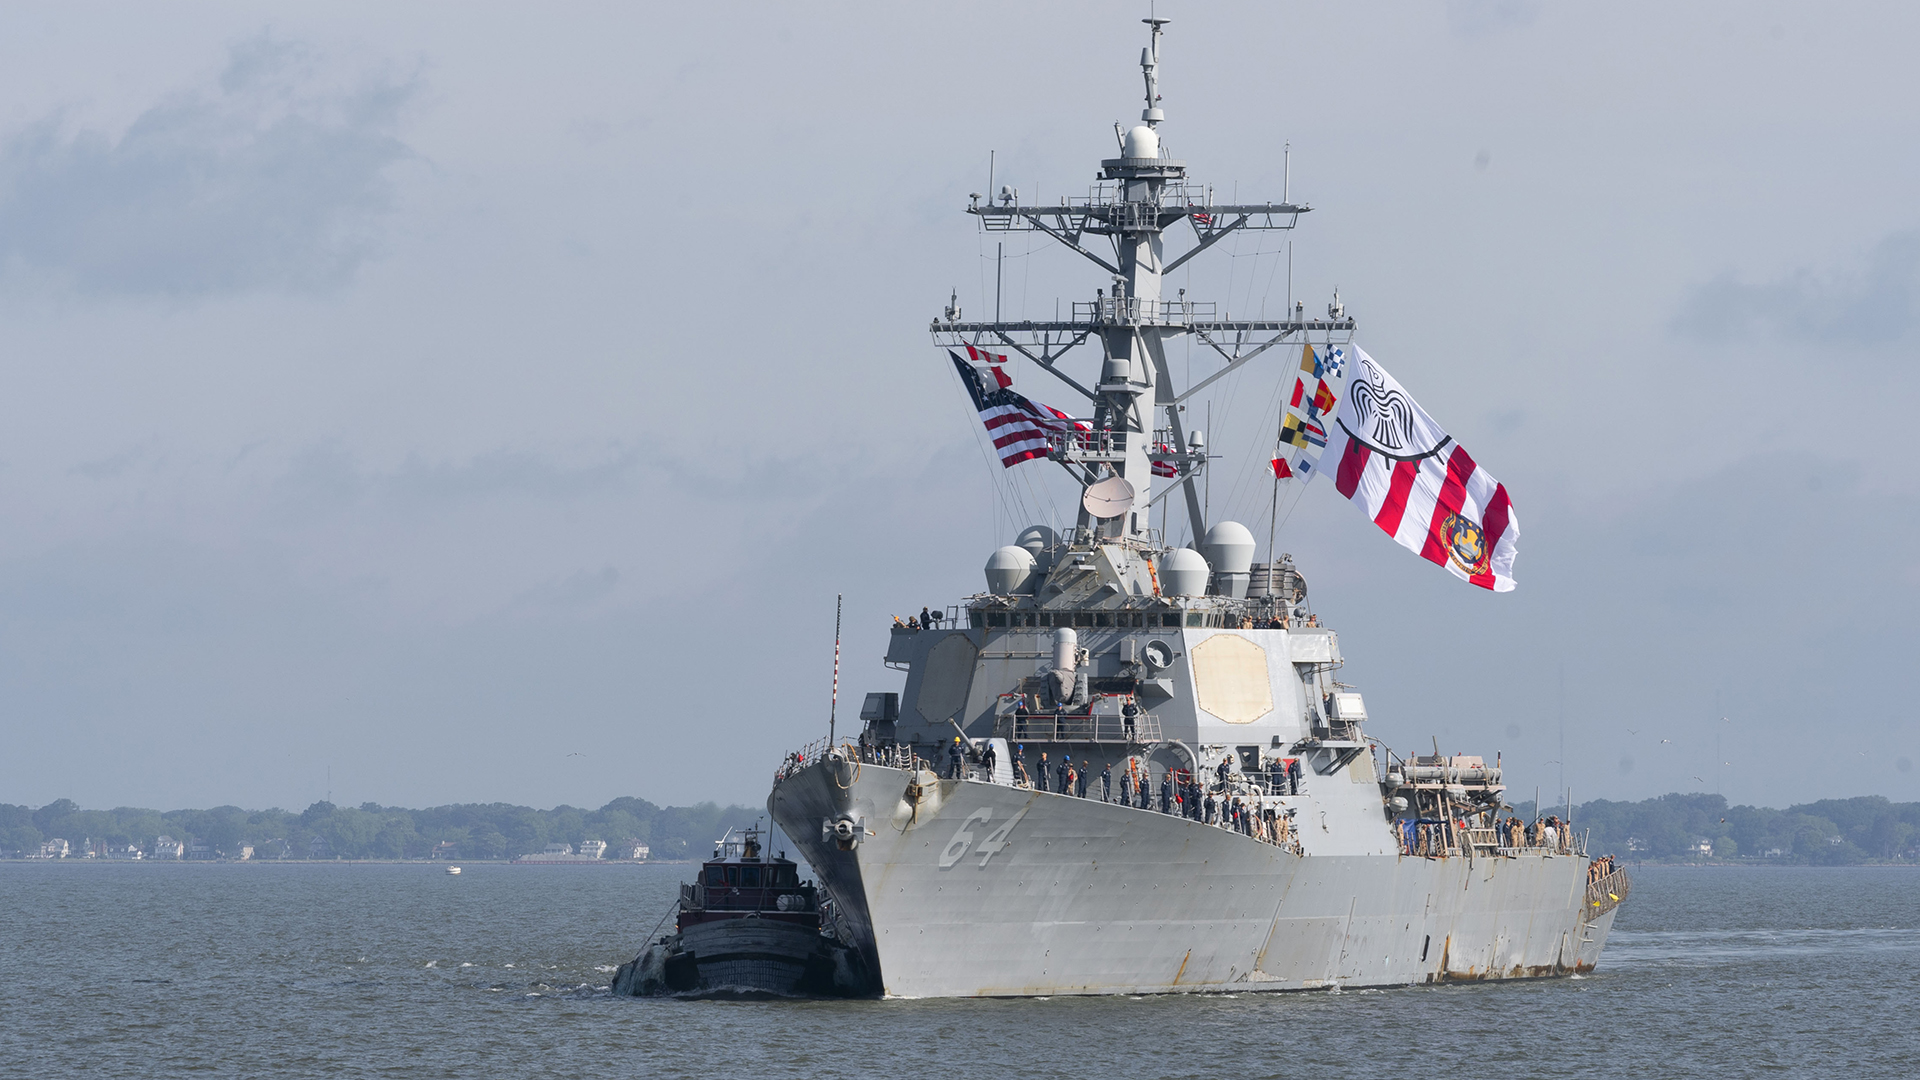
[1141, 195]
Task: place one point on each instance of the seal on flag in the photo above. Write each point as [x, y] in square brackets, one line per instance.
[1466, 543]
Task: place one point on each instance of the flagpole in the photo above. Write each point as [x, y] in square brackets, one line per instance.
[833, 709]
[1273, 523]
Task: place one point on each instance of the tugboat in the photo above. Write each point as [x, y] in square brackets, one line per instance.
[748, 924]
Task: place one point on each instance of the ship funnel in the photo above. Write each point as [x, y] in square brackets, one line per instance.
[1229, 547]
[1010, 571]
[1183, 572]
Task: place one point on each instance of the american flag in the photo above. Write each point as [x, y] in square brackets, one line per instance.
[1019, 427]
[1202, 218]
[1165, 468]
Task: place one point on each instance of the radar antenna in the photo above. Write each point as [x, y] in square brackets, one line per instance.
[1121, 225]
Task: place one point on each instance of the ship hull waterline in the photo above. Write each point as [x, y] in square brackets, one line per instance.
[1078, 896]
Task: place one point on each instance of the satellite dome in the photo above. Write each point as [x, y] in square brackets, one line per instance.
[1183, 572]
[1041, 542]
[1142, 142]
[1229, 547]
[1009, 571]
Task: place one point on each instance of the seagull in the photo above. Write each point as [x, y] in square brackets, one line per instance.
[1701, 779]
[576, 754]
[1663, 742]
[1633, 731]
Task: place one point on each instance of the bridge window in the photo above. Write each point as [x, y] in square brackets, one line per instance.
[1195, 618]
[1103, 619]
[1170, 619]
[1083, 618]
[1046, 618]
[996, 618]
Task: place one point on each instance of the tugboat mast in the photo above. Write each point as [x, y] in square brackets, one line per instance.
[1136, 423]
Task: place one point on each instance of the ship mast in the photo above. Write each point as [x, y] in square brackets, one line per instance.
[1142, 195]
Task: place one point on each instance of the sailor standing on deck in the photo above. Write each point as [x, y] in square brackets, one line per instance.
[1166, 792]
[953, 759]
[987, 759]
[1063, 772]
[1040, 775]
[1106, 783]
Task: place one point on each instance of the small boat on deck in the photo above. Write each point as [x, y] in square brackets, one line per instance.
[749, 924]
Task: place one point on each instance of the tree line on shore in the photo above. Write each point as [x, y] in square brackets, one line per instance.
[371, 831]
[1694, 828]
[1672, 827]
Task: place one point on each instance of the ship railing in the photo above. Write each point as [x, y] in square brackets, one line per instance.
[1086, 728]
[1269, 784]
[801, 758]
[1532, 842]
[1133, 309]
[1605, 894]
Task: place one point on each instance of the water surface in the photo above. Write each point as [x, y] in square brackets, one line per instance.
[235, 970]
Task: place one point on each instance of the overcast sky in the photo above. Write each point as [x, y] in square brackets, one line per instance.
[451, 403]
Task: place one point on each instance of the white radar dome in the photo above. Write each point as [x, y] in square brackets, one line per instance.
[1142, 142]
[1183, 572]
[1229, 547]
[1041, 542]
[1009, 571]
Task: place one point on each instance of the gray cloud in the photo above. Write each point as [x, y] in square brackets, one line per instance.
[1872, 301]
[270, 179]
[1477, 17]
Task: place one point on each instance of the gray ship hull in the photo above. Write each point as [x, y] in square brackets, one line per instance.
[980, 889]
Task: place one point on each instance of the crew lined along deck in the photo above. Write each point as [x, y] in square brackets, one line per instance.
[1249, 804]
[1440, 838]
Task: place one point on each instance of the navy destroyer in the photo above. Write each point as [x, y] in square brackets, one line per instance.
[1129, 767]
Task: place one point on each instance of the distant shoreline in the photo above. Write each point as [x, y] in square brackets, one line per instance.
[355, 862]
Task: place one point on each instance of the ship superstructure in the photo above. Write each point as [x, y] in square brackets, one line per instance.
[1129, 767]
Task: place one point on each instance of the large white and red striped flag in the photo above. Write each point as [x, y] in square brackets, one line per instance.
[1019, 427]
[1417, 484]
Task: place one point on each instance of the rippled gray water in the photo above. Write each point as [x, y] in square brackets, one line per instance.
[277, 970]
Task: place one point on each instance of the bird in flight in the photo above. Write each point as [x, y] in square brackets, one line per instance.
[1700, 779]
[576, 754]
[1633, 731]
[1663, 742]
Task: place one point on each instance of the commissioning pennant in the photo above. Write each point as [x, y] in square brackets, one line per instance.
[1416, 483]
[1019, 427]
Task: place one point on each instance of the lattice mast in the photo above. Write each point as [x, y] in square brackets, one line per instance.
[1142, 194]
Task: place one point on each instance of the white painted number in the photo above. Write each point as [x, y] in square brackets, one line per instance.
[956, 848]
[996, 842]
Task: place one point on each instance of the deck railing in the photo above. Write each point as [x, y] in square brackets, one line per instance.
[1085, 728]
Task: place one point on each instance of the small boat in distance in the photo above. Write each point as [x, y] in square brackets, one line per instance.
[453, 869]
